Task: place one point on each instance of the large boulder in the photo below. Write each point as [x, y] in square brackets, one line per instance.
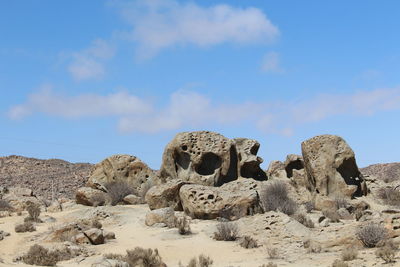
[231, 201]
[165, 195]
[331, 167]
[248, 161]
[90, 197]
[276, 169]
[121, 168]
[293, 162]
[165, 216]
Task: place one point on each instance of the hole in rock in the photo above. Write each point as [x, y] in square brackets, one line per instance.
[182, 159]
[293, 165]
[184, 147]
[208, 164]
[252, 170]
[349, 171]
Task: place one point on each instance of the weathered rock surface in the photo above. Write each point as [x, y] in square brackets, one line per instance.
[90, 197]
[19, 198]
[248, 161]
[120, 168]
[232, 200]
[110, 263]
[3, 234]
[164, 215]
[132, 199]
[165, 195]
[331, 167]
[293, 162]
[276, 169]
[95, 236]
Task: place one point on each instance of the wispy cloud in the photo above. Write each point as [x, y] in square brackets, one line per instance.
[187, 109]
[271, 63]
[161, 24]
[89, 63]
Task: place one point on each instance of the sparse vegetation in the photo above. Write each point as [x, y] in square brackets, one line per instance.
[312, 246]
[139, 257]
[25, 227]
[371, 234]
[248, 242]
[339, 263]
[341, 202]
[270, 264]
[39, 255]
[273, 252]
[349, 254]
[309, 206]
[275, 197]
[4, 205]
[386, 253]
[390, 196]
[226, 231]
[183, 225]
[304, 220]
[117, 191]
[332, 215]
[34, 212]
[201, 261]
[96, 224]
[98, 199]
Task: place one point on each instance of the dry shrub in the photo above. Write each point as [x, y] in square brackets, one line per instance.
[304, 220]
[98, 199]
[183, 225]
[38, 255]
[25, 227]
[34, 212]
[371, 234]
[143, 257]
[309, 206]
[226, 231]
[117, 191]
[114, 256]
[339, 263]
[201, 261]
[275, 197]
[332, 215]
[96, 224]
[248, 242]
[349, 254]
[386, 253]
[341, 202]
[273, 252]
[5, 206]
[390, 196]
[312, 246]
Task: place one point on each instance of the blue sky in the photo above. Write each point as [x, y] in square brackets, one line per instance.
[82, 80]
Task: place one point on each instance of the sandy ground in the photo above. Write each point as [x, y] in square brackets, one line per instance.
[127, 222]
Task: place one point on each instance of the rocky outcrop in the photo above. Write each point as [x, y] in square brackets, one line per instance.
[164, 216]
[165, 195]
[331, 167]
[19, 198]
[209, 158]
[276, 169]
[293, 162]
[121, 168]
[248, 161]
[231, 201]
[90, 197]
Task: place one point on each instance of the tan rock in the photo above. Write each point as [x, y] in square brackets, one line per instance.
[248, 161]
[108, 234]
[276, 169]
[81, 238]
[55, 207]
[132, 199]
[90, 197]
[331, 167]
[293, 162]
[232, 200]
[95, 236]
[164, 215]
[165, 195]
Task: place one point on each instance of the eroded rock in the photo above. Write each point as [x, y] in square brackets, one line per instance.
[90, 197]
[248, 161]
[164, 215]
[165, 195]
[331, 167]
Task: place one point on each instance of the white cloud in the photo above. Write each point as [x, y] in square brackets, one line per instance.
[89, 63]
[161, 24]
[187, 109]
[271, 63]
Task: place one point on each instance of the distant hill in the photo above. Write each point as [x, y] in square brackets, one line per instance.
[384, 171]
[38, 175]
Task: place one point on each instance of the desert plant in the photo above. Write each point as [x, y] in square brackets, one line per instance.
[143, 257]
[371, 234]
[339, 263]
[34, 212]
[117, 191]
[96, 224]
[331, 214]
[98, 199]
[312, 246]
[349, 254]
[386, 253]
[25, 227]
[4, 205]
[304, 220]
[248, 242]
[183, 225]
[114, 256]
[273, 252]
[274, 196]
[201, 261]
[390, 196]
[226, 231]
[38, 255]
[341, 202]
[309, 206]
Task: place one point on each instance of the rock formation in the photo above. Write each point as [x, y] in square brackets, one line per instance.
[331, 167]
[248, 161]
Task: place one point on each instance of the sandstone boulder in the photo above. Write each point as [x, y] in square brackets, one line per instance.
[248, 161]
[95, 236]
[132, 200]
[276, 169]
[293, 162]
[121, 168]
[231, 201]
[331, 167]
[90, 197]
[165, 195]
[164, 215]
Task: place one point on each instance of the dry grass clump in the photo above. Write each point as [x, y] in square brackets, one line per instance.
[38, 255]
[341, 202]
[390, 196]
[386, 253]
[183, 225]
[25, 227]
[332, 215]
[273, 252]
[304, 220]
[96, 224]
[371, 234]
[226, 231]
[309, 206]
[349, 254]
[201, 261]
[34, 212]
[98, 199]
[5, 206]
[248, 242]
[339, 263]
[139, 257]
[117, 191]
[312, 246]
[275, 197]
